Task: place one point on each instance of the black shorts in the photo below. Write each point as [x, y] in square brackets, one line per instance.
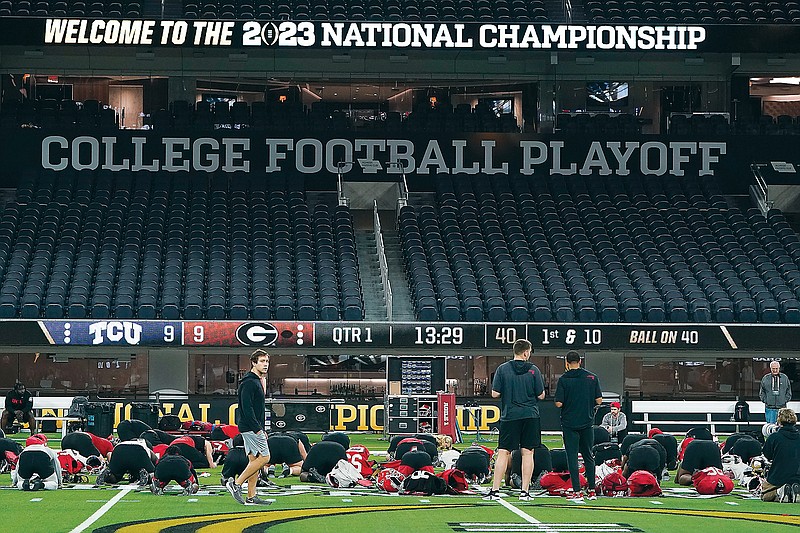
[35, 462]
[197, 459]
[283, 449]
[473, 464]
[173, 468]
[235, 462]
[700, 454]
[129, 459]
[131, 429]
[644, 458]
[323, 456]
[416, 459]
[525, 433]
[81, 443]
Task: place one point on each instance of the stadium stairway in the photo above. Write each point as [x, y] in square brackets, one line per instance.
[556, 11]
[402, 310]
[370, 270]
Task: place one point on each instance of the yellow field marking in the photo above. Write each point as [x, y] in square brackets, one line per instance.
[237, 522]
[732, 515]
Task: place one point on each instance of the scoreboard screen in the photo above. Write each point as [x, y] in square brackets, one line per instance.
[390, 337]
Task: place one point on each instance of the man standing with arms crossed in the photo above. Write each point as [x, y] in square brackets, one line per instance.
[251, 425]
[519, 385]
[775, 392]
[577, 394]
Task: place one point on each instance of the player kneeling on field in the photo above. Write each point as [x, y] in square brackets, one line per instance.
[133, 458]
[37, 467]
[783, 449]
[174, 467]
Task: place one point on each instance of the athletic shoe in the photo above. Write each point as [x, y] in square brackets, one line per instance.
[525, 496]
[37, 484]
[190, 489]
[235, 490]
[796, 492]
[144, 478]
[515, 481]
[575, 497]
[786, 494]
[591, 495]
[255, 500]
[155, 488]
[102, 477]
[271, 471]
[492, 495]
[286, 471]
[316, 476]
[26, 484]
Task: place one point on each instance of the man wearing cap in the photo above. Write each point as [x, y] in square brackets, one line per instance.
[616, 423]
[19, 405]
[38, 467]
[775, 392]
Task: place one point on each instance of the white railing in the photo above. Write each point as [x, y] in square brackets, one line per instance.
[343, 200]
[760, 190]
[387, 287]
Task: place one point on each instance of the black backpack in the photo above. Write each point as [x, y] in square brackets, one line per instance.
[78, 407]
[169, 423]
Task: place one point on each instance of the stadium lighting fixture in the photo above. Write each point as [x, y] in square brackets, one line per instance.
[786, 81]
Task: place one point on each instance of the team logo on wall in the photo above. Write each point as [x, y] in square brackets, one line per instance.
[257, 334]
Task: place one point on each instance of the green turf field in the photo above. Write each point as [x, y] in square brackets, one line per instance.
[305, 507]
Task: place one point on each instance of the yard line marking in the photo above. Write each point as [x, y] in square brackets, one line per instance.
[191, 500]
[347, 500]
[516, 524]
[728, 336]
[83, 526]
[732, 503]
[656, 502]
[519, 512]
[534, 528]
[36, 499]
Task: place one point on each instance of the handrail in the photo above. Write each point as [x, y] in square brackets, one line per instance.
[384, 264]
[402, 201]
[343, 200]
[761, 186]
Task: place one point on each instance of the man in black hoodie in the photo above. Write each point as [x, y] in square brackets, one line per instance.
[577, 395]
[252, 389]
[783, 449]
[519, 385]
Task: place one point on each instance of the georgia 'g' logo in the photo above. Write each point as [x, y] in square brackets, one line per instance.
[257, 334]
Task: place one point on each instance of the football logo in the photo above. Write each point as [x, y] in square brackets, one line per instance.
[257, 334]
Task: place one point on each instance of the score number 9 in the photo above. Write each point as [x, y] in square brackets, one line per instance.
[198, 333]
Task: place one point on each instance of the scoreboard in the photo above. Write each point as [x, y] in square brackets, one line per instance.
[396, 337]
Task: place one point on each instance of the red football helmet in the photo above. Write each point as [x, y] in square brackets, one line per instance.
[614, 484]
[643, 483]
[390, 480]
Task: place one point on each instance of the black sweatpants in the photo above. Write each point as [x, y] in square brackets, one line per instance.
[579, 440]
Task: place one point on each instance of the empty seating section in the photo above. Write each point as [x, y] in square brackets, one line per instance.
[72, 8]
[376, 10]
[689, 12]
[48, 113]
[172, 247]
[594, 249]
